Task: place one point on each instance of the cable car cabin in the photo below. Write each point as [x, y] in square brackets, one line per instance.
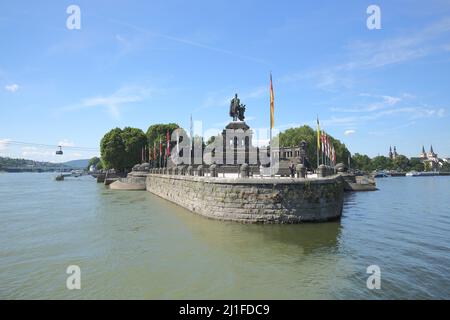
[59, 152]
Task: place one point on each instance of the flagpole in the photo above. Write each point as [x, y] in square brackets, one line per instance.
[191, 133]
[318, 143]
[272, 120]
[270, 144]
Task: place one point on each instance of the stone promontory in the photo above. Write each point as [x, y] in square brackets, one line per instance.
[268, 200]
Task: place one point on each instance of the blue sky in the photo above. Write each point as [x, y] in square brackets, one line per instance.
[134, 63]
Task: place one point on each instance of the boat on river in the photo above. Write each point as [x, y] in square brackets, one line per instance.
[422, 174]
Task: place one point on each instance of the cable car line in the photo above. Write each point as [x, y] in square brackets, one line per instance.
[50, 146]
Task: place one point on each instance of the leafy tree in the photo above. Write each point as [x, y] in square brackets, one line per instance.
[445, 167]
[122, 149]
[416, 165]
[100, 165]
[401, 163]
[381, 163]
[361, 162]
[293, 136]
[93, 162]
[159, 131]
[134, 140]
[112, 149]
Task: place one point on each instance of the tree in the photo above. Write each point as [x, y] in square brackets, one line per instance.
[93, 162]
[361, 162]
[416, 164]
[381, 163]
[445, 167]
[112, 149]
[122, 149]
[293, 136]
[159, 131]
[134, 140]
[401, 163]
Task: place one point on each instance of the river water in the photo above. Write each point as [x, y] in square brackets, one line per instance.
[134, 245]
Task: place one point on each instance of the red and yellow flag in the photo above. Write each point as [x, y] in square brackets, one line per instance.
[272, 107]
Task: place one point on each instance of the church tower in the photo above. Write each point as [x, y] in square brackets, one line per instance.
[431, 154]
[390, 153]
[423, 154]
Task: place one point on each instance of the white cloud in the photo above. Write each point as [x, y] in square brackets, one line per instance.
[4, 144]
[12, 87]
[115, 101]
[365, 55]
[382, 102]
[185, 41]
[407, 114]
[349, 132]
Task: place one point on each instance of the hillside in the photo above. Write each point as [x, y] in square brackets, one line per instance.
[77, 164]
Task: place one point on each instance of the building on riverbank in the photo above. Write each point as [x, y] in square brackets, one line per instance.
[430, 159]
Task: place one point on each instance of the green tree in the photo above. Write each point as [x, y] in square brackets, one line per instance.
[401, 163]
[293, 136]
[93, 162]
[159, 131]
[122, 149]
[134, 140]
[381, 163]
[361, 162]
[445, 167]
[112, 149]
[416, 164]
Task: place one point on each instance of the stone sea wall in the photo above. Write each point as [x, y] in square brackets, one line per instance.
[269, 200]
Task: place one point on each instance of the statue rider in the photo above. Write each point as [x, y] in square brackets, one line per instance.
[236, 109]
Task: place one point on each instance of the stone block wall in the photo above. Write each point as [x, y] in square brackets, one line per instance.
[253, 200]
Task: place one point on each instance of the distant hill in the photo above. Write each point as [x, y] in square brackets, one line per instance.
[24, 165]
[77, 164]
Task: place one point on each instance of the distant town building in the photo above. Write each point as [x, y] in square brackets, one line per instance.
[393, 155]
[430, 159]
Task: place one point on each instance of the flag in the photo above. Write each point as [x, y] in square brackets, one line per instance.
[149, 153]
[318, 142]
[334, 155]
[168, 143]
[160, 147]
[329, 146]
[322, 138]
[272, 107]
[178, 142]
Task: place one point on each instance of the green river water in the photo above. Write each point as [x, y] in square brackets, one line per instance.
[134, 245]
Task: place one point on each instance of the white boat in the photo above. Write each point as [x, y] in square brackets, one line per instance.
[76, 173]
[421, 174]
